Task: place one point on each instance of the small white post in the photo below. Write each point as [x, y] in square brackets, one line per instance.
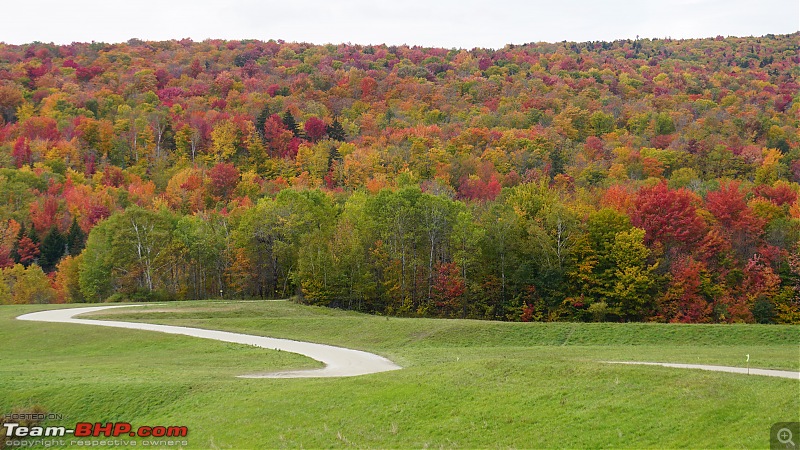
[748, 363]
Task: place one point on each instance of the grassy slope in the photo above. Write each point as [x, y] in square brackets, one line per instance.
[466, 383]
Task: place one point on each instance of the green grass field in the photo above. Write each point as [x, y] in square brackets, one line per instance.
[464, 384]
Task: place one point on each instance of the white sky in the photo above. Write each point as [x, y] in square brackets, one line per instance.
[445, 23]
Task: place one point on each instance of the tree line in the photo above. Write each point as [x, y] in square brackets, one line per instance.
[536, 253]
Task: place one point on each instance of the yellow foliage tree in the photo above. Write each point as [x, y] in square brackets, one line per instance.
[26, 285]
[67, 282]
[225, 141]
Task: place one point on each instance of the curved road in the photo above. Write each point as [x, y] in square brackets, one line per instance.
[339, 362]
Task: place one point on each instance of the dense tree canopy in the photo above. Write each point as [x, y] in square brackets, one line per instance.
[626, 180]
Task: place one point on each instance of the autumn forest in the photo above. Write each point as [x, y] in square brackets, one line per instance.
[634, 180]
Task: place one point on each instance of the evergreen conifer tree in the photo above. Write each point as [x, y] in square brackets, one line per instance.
[76, 239]
[291, 124]
[336, 131]
[261, 119]
[53, 248]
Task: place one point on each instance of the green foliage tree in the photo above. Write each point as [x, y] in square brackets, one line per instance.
[500, 248]
[95, 273]
[204, 242]
[272, 232]
[132, 249]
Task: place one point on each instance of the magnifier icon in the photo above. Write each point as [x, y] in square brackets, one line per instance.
[785, 436]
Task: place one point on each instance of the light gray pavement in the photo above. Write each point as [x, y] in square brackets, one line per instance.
[339, 362]
[744, 370]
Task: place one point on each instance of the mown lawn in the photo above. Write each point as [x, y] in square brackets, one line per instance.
[464, 383]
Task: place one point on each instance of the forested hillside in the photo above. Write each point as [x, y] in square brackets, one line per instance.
[622, 181]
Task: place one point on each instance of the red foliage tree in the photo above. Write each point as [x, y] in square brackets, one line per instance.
[21, 152]
[684, 300]
[713, 245]
[474, 188]
[736, 222]
[280, 140]
[113, 176]
[195, 68]
[669, 217]
[273, 89]
[662, 140]
[781, 193]
[37, 127]
[36, 72]
[28, 250]
[44, 213]
[315, 128]
[760, 284]
[730, 208]
[367, 85]
[96, 214]
[163, 76]
[594, 148]
[224, 178]
[87, 73]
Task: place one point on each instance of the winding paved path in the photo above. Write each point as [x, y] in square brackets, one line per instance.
[339, 362]
[765, 372]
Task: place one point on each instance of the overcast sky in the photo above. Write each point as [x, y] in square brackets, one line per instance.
[445, 23]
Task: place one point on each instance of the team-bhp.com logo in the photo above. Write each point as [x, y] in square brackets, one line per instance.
[97, 429]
